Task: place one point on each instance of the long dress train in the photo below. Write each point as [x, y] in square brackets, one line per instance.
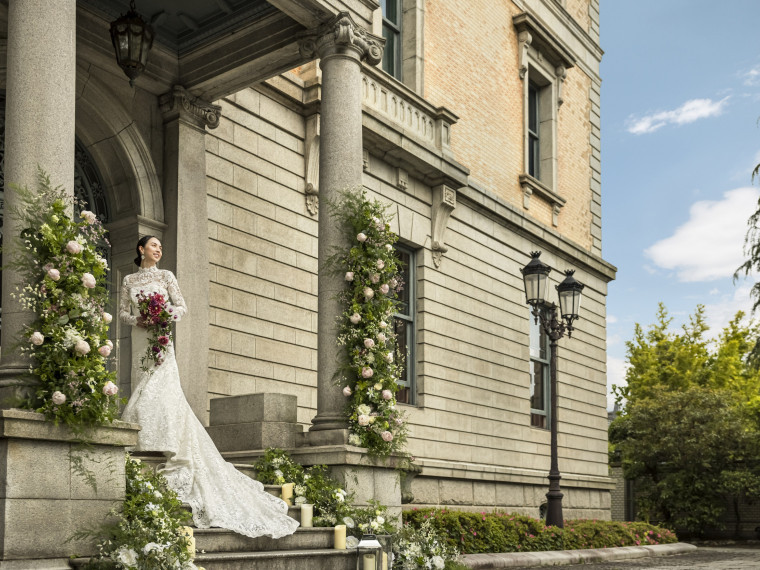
[219, 494]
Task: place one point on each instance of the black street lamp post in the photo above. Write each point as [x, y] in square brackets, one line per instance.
[536, 281]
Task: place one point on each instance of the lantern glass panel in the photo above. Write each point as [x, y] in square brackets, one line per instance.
[570, 303]
[536, 287]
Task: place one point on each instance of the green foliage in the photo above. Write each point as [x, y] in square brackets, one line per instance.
[332, 504]
[373, 362]
[150, 530]
[687, 451]
[64, 276]
[422, 546]
[498, 531]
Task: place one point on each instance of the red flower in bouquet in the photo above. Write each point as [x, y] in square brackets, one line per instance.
[156, 316]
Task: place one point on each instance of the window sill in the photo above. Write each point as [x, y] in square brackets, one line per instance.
[531, 185]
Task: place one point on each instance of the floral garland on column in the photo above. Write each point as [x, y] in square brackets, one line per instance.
[366, 326]
[68, 340]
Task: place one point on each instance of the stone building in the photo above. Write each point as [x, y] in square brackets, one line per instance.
[478, 122]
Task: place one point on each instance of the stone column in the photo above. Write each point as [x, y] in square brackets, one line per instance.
[341, 45]
[186, 238]
[39, 132]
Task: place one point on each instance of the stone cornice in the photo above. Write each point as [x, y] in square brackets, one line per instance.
[179, 101]
[532, 32]
[338, 35]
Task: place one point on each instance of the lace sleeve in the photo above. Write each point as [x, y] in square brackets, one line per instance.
[179, 308]
[125, 313]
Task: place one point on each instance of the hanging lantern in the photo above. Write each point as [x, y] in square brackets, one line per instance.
[132, 39]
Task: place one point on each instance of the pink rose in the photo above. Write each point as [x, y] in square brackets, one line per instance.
[389, 357]
[381, 337]
[355, 318]
[88, 216]
[54, 274]
[369, 343]
[380, 264]
[387, 394]
[82, 347]
[387, 436]
[363, 420]
[110, 389]
[349, 275]
[105, 351]
[368, 293]
[393, 283]
[367, 372]
[110, 344]
[74, 247]
[361, 237]
[88, 280]
[384, 288]
[107, 317]
[347, 391]
[375, 278]
[37, 338]
[58, 398]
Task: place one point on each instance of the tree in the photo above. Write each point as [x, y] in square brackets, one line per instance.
[688, 452]
[752, 265]
[689, 430]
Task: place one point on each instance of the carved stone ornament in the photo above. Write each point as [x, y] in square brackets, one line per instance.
[312, 164]
[339, 33]
[180, 101]
[524, 38]
[561, 76]
[444, 202]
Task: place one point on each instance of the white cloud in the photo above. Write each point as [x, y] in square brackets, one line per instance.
[718, 314]
[616, 368]
[689, 112]
[611, 319]
[752, 77]
[710, 244]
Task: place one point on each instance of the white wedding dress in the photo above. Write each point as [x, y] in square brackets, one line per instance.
[219, 494]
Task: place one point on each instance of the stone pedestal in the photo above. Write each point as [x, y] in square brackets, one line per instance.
[45, 496]
[254, 421]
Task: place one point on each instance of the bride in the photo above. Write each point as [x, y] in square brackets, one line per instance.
[218, 493]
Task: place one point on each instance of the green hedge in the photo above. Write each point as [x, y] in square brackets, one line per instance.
[499, 531]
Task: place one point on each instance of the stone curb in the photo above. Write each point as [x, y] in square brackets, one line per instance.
[565, 557]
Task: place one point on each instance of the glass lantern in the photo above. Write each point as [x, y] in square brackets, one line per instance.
[369, 553]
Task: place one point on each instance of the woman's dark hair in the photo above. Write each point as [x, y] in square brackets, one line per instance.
[143, 240]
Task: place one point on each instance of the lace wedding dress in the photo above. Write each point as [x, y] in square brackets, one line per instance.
[219, 494]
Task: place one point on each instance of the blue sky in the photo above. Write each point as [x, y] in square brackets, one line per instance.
[680, 137]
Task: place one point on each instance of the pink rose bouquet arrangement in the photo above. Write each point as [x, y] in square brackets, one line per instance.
[371, 268]
[156, 315]
[61, 263]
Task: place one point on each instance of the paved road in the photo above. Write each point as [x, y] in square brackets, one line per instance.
[734, 557]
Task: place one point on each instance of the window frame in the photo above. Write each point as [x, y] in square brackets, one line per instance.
[394, 29]
[410, 324]
[539, 417]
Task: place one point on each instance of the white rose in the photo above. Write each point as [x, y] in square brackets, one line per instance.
[37, 338]
[58, 398]
[88, 280]
[88, 216]
[127, 557]
[82, 347]
[107, 317]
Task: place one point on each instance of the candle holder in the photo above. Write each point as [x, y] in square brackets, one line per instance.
[369, 553]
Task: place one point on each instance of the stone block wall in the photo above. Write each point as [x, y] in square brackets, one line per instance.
[263, 253]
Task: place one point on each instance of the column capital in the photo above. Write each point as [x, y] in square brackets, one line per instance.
[342, 35]
[179, 102]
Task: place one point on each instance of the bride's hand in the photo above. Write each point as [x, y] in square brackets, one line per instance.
[141, 323]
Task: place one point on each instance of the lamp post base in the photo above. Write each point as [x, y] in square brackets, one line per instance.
[554, 515]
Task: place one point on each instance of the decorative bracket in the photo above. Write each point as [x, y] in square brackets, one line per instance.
[524, 38]
[561, 75]
[312, 164]
[444, 202]
[402, 179]
[180, 102]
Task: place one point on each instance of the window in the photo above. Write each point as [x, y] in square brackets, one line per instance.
[543, 64]
[534, 157]
[392, 33]
[403, 323]
[539, 375]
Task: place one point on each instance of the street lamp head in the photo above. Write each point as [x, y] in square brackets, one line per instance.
[132, 38]
[570, 292]
[536, 280]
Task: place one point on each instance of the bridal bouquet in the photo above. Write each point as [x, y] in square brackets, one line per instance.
[156, 315]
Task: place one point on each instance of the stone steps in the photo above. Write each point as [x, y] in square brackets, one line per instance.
[320, 559]
[214, 540]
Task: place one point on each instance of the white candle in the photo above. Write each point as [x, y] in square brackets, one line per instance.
[369, 562]
[385, 561]
[287, 493]
[307, 512]
[340, 537]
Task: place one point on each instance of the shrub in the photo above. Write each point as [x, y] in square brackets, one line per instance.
[499, 531]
